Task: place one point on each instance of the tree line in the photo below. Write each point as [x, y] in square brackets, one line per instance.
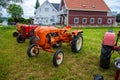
[15, 10]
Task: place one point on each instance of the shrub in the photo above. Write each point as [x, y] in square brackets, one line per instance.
[11, 19]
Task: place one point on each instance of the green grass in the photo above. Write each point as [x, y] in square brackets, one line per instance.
[16, 65]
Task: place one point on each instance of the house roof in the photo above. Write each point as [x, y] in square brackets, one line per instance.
[56, 5]
[89, 5]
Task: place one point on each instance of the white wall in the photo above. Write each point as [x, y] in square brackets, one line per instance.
[44, 17]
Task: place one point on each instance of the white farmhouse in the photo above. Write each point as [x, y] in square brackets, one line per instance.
[47, 14]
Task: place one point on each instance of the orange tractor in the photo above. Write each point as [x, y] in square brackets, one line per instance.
[45, 37]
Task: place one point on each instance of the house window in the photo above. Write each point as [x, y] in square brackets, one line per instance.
[92, 20]
[46, 9]
[84, 20]
[76, 20]
[52, 20]
[109, 20]
[99, 20]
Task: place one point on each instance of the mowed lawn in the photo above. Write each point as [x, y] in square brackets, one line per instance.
[16, 65]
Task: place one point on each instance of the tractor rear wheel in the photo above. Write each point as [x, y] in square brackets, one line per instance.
[58, 58]
[33, 50]
[20, 39]
[105, 56]
[77, 42]
[15, 34]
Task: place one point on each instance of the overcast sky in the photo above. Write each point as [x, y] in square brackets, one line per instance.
[28, 6]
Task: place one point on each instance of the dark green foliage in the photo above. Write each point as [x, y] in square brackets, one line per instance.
[18, 20]
[118, 18]
[22, 20]
[10, 19]
[15, 10]
[37, 4]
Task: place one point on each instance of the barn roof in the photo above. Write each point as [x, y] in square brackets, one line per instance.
[56, 5]
[89, 5]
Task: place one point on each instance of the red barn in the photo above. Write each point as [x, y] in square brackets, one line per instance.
[85, 12]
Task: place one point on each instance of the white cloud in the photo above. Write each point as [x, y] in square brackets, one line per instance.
[114, 5]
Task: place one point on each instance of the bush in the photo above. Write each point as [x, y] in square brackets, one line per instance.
[21, 20]
[10, 19]
[13, 21]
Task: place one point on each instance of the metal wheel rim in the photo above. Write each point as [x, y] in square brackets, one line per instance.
[32, 51]
[79, 43]
[59, 61]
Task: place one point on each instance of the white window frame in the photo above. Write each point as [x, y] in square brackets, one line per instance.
[92, 19]
[109, 20]
[83, 20]
[76, 20]
[99, 21]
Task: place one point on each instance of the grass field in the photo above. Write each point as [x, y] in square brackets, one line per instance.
[16, 65]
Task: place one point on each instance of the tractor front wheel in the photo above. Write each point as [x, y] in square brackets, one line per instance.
[77, 42]
[20, 39]
[15, 34]
[58, 58]
[33, 50]
[105, 56]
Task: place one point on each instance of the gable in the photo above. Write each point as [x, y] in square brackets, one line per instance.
[88, 5]
[47, 4]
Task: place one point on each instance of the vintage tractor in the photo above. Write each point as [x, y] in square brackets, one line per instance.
[19, 29]
[109, 45]
[26, 32]
[45, 37]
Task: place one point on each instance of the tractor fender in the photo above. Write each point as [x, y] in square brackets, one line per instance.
[75, 32]
[109, 38]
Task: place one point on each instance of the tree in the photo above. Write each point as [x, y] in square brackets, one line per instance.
[4, 3]
[37, 4]
[118, 18]
[16, 11]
